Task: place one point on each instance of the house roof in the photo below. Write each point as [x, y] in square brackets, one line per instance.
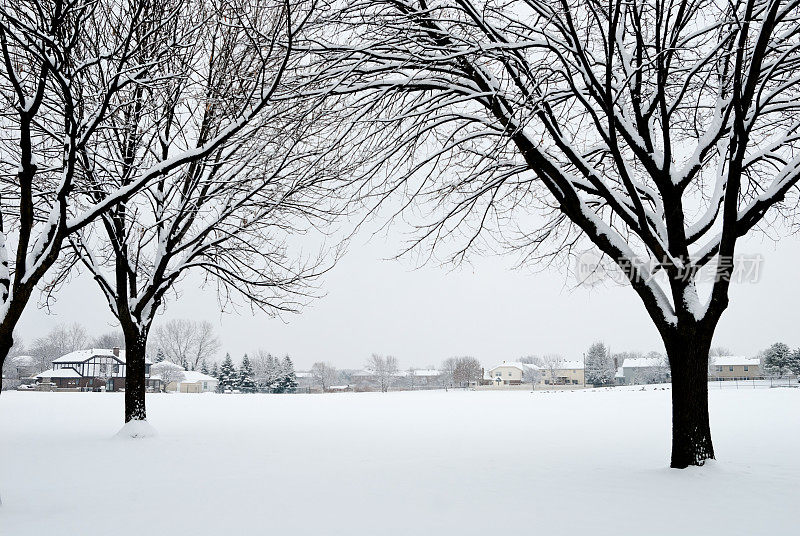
[81, 356]
[643, 362]
[59, 373]
[576, 364]
[23, 360]
[427, 372]
[195, 376]
[729, 360]
[516, 365]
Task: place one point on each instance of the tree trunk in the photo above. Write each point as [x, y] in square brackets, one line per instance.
[691, 431]
[135, 381]
[6, 342]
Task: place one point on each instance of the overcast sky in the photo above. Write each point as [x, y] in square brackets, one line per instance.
[485, 309]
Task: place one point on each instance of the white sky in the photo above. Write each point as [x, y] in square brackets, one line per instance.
[425, 315]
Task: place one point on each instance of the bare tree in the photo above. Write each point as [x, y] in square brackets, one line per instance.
[552, 363]
[532, 374]
[384, 369]
[186, 341]
[61, 339]
[324, 375]
[461, 371]
[228, 210]
[657, 133]
[168, 372]
[719, 351]
[109, 340]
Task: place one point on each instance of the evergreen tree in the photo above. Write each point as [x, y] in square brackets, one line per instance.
[204, 367]
[777, 359]
[159, 356]
[214, 371]
[185, 364]
[288, 378]
[227, 374]
[599, 365]
[794, 363]
[245, 381]
[272, 373]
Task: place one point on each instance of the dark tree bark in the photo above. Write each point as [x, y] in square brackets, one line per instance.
[6, 342]
[687, 350]
[135, 381]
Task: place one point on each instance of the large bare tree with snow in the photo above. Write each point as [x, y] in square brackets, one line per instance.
[658, 132]
[227, 213]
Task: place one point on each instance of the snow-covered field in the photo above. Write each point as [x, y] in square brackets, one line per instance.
[589, 462]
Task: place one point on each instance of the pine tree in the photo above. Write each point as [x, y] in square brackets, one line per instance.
[215, 371]
[245, 381]
[777, 359]
[794, 363]
[227, 374]
[160, 356]
[288, 379]
[185, 364]
[599, 365]
[204, 367]
[272, 373]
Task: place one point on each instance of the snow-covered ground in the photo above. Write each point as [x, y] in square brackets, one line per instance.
[589, 462]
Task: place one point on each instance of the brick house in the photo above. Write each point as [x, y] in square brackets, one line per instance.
[92, 370]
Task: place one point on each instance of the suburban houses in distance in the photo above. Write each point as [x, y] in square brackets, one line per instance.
[98, 369]
[514, 373]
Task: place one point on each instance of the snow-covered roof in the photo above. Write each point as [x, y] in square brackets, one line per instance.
[427, 372]
[302, 374]
[643, 362]
[514, 364]
[195, 376]
[730, 360]
[23, 360]
[59, 373]
[81, 356]
[571, 364]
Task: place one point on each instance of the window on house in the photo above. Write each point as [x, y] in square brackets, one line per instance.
[498, 374]
[719, 368]
[730, 368]
[116, 369]
[746, 368]
[509, 374]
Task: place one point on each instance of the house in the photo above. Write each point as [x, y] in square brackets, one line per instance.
[194, 382]
[507, 373]
[568, 372]
[732, 367]
[643, 370]
[424, 377]
[94, 369]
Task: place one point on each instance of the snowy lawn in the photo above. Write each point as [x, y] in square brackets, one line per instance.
[397, 463]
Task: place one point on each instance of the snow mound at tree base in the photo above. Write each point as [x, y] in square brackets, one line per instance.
[136, 430]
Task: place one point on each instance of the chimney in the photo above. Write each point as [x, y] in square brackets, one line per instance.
[116, 351]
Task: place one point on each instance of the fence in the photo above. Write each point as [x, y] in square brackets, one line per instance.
[753, 383]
